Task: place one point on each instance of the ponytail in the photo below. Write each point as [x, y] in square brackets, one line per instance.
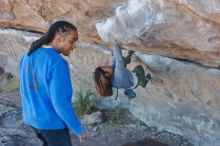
[36, 44]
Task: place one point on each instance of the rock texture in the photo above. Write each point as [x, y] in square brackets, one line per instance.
[12, 44]
[118, 128]
[177, 41]
[187, 29]
[181, 98]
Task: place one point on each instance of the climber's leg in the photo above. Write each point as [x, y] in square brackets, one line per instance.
[139, 71]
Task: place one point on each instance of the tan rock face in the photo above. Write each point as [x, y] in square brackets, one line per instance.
[37, 14]
[5, 10]
[186, 29]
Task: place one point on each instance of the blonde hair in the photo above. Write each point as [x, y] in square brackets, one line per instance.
[102, 82]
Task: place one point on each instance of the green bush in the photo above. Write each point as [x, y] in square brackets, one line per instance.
[82, 104]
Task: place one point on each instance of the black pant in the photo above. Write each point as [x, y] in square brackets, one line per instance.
[59, 137]
[139, 71]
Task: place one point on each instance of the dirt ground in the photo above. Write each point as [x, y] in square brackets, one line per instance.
[119, 127]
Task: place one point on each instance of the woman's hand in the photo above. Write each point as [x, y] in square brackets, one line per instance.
[118, 43]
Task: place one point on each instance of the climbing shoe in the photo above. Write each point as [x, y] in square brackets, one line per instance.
[148, 76]
[130, 93]
[130, 53]
[146, 80]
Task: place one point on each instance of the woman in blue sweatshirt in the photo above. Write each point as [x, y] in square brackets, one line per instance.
[45, 86]
[118, 76]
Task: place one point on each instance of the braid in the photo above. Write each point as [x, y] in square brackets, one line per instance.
[102, 82]
[62, 27]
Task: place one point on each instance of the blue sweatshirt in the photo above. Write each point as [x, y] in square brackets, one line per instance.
[122, 76]
[46, 90]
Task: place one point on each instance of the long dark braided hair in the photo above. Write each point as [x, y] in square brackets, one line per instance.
[57, 27]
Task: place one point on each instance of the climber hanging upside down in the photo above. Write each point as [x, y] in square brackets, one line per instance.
[118, 76]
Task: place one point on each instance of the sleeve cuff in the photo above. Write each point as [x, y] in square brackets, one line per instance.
[79, 130]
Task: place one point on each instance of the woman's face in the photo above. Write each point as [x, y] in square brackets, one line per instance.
[108, 70]
[68, 42]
